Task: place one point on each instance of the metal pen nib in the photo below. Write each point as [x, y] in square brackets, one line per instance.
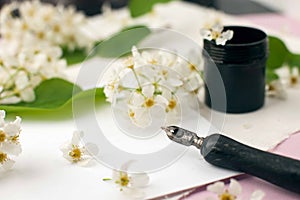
[183, 136]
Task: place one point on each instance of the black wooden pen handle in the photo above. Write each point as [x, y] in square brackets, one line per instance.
[227, 153]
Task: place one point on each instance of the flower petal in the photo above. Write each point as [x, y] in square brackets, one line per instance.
[206, 34]
[142, 117]
[278, 90]
[137, 58]
[12, 148]
[10, 100]
[217, 187]
[217, 27]
[161, 101]
[86, 162]
[76, 137]
[148, 90]
[221, 41]
[257, 195]
[139, 180]
[2, 117]
[225, 36]
[8, 164]
[116, 175]
[27, 94]
[136, 99]
[92, 149]
[234, 187]
[13, 128]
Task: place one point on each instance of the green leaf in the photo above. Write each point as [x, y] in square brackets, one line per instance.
[50, 94]
[141, 7]
[278, 53]
[293, 60]
[74, 57]
[271, 76]
[54, 94]
[121, 43]
[115, 46]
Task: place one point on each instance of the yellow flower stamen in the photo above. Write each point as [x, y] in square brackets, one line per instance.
[271, 87]
[129, 63]
[47, 17]
[192, 67]
[41, 35]
[14, 139]
[153, 62]
[31, 12]
[56, 28]
[131, 114]
[164, 72]
[3, 157]
[24, 27]
[215, 35]
[294, 80]
[172, 104]
[227, 196]
[2, 136]
[149, 102]
[75, 154]
[124, 180]
[130, 66]
[72, 38]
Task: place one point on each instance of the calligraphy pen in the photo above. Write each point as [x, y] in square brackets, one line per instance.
[227, 153]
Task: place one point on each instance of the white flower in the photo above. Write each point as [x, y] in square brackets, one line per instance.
[276, 89]
[75, 152]
[215, 32]
[232, 192]
[9, 141]
[5, 161]
[140, 104]
[130, 184]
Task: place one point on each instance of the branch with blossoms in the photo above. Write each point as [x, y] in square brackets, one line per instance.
[38, 40]
[153, 79]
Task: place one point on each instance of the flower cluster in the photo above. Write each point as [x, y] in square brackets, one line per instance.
[215, 32]
[75, 152]
[153, 79]
[33, 36]
[232, 192]
[9, 141]
[22, 72]
[37, 22]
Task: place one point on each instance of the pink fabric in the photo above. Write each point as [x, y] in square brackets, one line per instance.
[285, 24]
[289, 147]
